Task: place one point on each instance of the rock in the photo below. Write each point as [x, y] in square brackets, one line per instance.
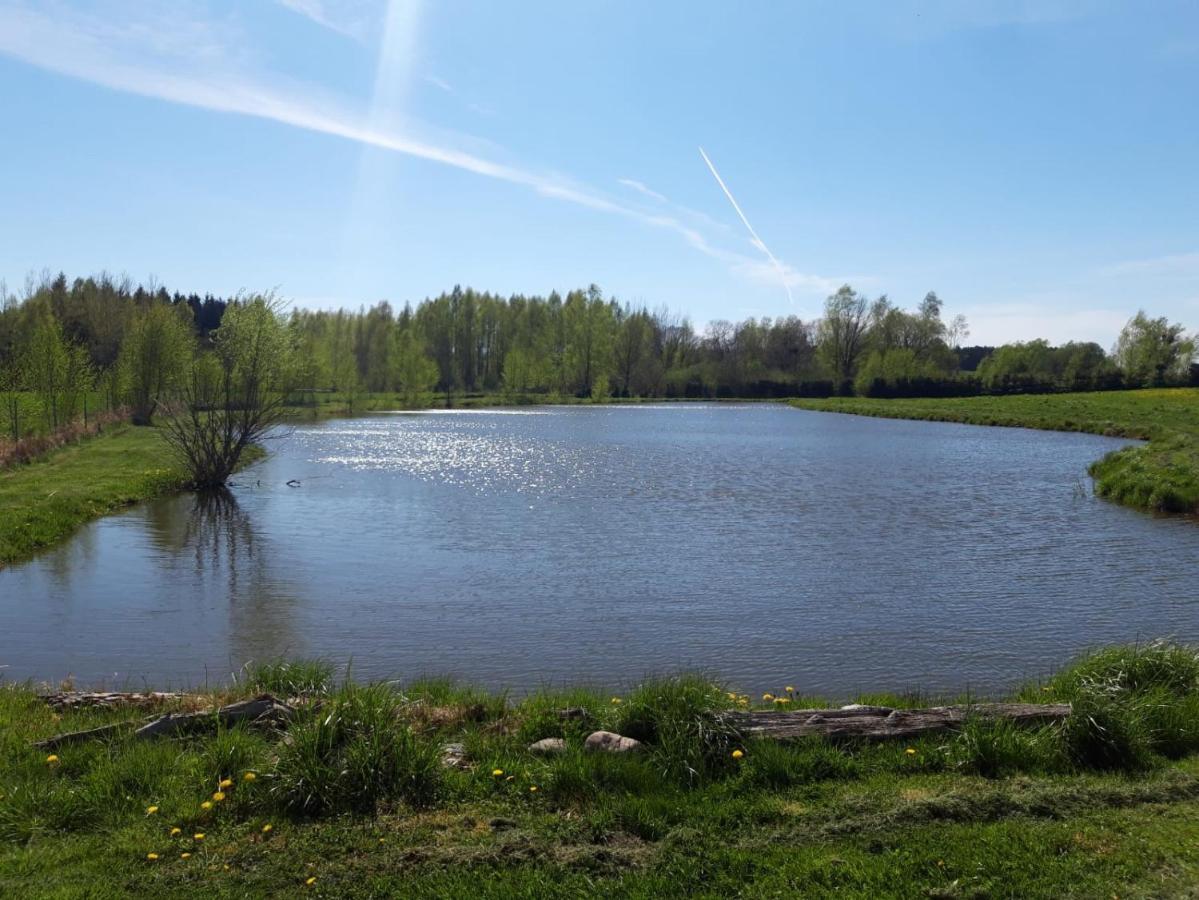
[611, 743]
[548, 746]
[453, 756]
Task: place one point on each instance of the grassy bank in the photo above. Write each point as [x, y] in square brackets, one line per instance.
[356, 800]
[45, 501]
[1162, 475]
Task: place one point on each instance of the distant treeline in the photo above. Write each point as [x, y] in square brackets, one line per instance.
[63, 341]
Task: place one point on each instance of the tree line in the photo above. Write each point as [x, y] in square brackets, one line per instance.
[107, 342]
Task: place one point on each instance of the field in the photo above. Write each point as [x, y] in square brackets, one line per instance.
[1162, 475]
[356, 801]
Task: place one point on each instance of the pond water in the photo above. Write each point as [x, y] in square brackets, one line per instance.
[523, 547]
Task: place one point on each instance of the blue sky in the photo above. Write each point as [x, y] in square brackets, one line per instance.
[1034, 163]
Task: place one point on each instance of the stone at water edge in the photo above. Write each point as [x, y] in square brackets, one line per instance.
[611, 743]
[548, 746]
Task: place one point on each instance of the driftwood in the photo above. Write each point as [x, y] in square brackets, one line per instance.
[108, 699]
[885, 722]
[262, 709]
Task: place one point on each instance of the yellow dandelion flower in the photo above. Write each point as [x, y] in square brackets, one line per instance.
[151, 856]
[616, 701]
[311, 881]
[249, 776]
[266, 829]
[150, 810]
[496, 773]
[206, 805]
[768, 697]
[218, 796]
[52, 759]
[185, 856]
[911, 751]
[533, 789]
[175, 832]
[225, 783]
[781, 700]
[790, 690]
[199, 835]
[737, 754]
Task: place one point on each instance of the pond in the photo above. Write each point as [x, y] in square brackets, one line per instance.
[517, 548]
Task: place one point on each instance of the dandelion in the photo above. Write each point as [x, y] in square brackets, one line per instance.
[249, 776]
[790, 690]
[737, 754]
[496, 773]
[533, 789]
[616, 701]
[52, 759]
[311, 881]
[782, 700]
[218, 796]
[768, 697]
[199, 835]
[206, 805]
[266, 829]
[175, 832]
[151, 810]
[225, 783]
[732, 696]
[911, 751]
[185, 856]
[151, 856]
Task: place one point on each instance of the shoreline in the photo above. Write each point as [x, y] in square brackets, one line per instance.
[43, 503]
[1160, 476]
[436, 789]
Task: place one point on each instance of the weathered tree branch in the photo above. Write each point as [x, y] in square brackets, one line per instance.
[885, 722]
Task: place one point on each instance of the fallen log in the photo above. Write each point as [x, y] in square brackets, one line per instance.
[71, 737]
[109, 699]
[264, 707]
[261, 709]
[885, 722]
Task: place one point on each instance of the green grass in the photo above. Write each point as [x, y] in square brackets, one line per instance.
[42, 503]
[1161, 476]
[356, 798]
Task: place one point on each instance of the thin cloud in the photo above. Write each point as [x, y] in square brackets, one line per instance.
[440, 83]
[347, 22]
[120, 58]
[757, 241]
[642, 189]
[1185, 265]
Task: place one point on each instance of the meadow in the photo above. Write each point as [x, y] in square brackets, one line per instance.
[1160, 476]
[356, 801]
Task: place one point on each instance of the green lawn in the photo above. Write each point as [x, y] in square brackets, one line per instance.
[357, 799]
[1162, 475]
[43, 502]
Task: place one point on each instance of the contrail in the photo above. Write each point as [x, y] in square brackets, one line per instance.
[757, 241]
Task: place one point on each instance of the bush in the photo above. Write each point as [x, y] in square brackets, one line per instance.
[679, 719]
[994, 748]
[289, 679]
[770, 764]
[351, 754]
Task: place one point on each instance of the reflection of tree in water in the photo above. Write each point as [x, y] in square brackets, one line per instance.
[232, 558]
